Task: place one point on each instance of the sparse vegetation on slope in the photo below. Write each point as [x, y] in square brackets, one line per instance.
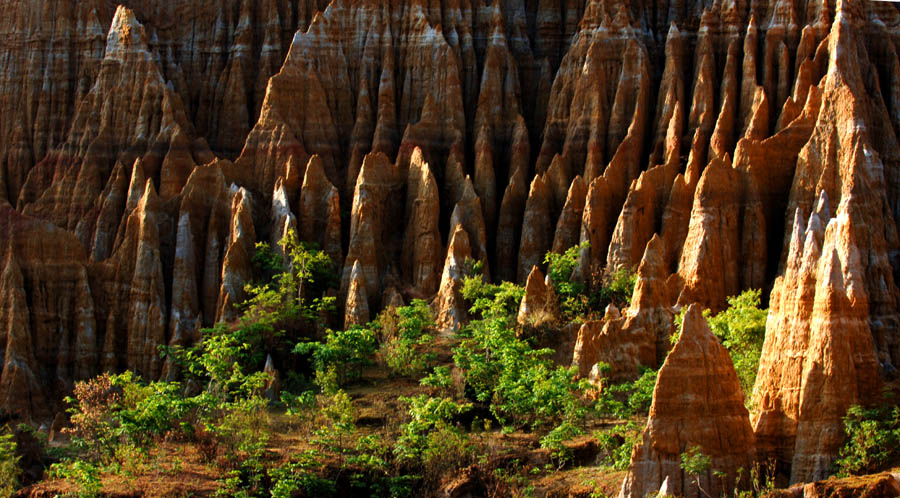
[439, 404]
[451, 410]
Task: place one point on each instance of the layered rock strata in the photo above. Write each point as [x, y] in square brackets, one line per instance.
[145, 152]
[697, 403]
[617, 347]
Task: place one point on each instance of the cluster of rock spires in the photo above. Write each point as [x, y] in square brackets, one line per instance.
[713, 146]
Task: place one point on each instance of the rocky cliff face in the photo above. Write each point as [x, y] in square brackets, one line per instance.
[837, 269]
[697, 403]
[712, 146]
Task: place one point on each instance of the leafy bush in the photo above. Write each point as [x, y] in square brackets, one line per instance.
[9, 464]
[277, 302]
[521, 384]
[573, 296]
[430, 440]
[625, 401]
[578, 300]
[291, 286]
[618, 288]
[120, 418]
[266, 262]
[338, 411]
[491, 300]
[85, 475]
[555, 442]
[617, 444]
[148, 412]
[225, 361]
[694, 462]
[344, 351]
[637, 395]
[873, 439]
[116, 420]
[642, 397]
[242, 432]
[300, 475]
[742, 330]
[404, 332]
[541, 394]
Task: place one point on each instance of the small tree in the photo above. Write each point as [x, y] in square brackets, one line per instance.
[345, 351]
[338, 411]
[94, 426]
[694, 463]
[574, 300]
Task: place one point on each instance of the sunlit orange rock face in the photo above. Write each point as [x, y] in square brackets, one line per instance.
[697, 403]
[711, 147]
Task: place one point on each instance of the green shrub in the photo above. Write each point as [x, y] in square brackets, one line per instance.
[116, 417]
[404, 335]
[873, 439]
[242, 431]
[539, 394]
[345, 351]
[742, 330]
[637, 395]
[301, 476]
[618, 288]
[521, 384]
[84, 475]
[266, 262]
[9, 464]
[430, 441]
[491, 300]
[573, 296]
[225, 361]
[577, 300]
[428, 417]
[148, 412]
[292, 286]
[339, 414]
[617, 444]
[372, 470]
[439, 379]
[624, 401]
[694, 462]
[641, 398]
[116, 420]
[555, 442]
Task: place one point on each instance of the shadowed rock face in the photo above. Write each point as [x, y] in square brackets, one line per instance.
[712, 146]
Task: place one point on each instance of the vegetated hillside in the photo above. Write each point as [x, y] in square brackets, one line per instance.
[712, 147]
